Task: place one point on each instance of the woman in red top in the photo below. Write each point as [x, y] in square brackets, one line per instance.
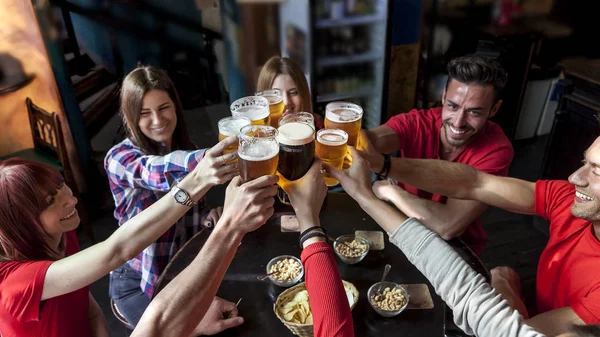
[44, 277]
[328, 302]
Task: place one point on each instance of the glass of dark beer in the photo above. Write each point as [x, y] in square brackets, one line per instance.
[296, 149]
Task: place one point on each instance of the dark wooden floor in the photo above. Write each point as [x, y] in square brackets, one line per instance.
[514, 240]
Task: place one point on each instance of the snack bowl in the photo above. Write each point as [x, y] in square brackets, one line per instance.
[289, 282]
[337, 245]
[378, 289]
[306, 329]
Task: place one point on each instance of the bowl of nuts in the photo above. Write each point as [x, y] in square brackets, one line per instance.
[388, 298]
[350, 248]
[285, 270]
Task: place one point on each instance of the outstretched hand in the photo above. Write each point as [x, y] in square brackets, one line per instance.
[307, 193]
[356, 181]
[217, 168]
[221, 315]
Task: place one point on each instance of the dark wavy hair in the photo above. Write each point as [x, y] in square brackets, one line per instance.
[475, 69]
[135, 85]
[24, 187]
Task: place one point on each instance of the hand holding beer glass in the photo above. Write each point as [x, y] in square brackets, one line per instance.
[332, 149]
[296, 149]
[255, 108]
[258, 151]
[231, 126]
[344, 116]
[276, 105]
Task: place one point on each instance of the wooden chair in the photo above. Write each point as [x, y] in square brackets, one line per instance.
[128, 327]
[49, 148]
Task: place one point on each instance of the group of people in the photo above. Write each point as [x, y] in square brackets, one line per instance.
[452, 165]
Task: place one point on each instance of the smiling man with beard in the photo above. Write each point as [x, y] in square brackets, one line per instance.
[461, 132]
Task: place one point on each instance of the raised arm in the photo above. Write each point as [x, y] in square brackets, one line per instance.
[477, 307]
[181, 305]
[329, 305]
[448, 219]
[81, 269]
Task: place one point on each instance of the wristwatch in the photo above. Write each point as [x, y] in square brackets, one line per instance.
[182, 196]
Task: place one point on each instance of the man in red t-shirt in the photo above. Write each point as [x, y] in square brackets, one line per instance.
[568, 276]
[461, 132]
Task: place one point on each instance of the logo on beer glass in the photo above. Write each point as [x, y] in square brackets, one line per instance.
[255, 108]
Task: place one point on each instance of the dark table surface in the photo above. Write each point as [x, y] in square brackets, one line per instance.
[340, 215]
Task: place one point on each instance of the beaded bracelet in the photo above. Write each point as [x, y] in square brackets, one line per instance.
[311, 235]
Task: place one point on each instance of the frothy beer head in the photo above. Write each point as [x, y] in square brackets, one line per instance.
[342, 112]
[231, 126]
[333, 137]
[258, 151]
[273, 95]
[295, 134]
[253, 107]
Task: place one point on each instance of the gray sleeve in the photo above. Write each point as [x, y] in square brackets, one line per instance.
[478, 308]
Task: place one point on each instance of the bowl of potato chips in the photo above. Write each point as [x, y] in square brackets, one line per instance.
[293, 308]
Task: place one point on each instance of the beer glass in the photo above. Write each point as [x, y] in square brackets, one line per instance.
[276, 106]
[231, 126]
[296, 140]
[344, 116]
[302, 117]
[258, 151]
[255, 108]
[331, 148]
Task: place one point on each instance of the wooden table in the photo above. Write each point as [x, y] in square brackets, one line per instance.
[340, 215]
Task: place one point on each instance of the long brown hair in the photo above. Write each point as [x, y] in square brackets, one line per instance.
[277, 65]
[135, 85]
[24, 187]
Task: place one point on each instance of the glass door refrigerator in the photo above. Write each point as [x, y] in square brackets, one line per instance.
[343, 47]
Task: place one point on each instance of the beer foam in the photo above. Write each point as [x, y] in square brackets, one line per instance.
[231, 127]
[254, 113]
[273, 99]
[343, 115]
[295, 134]
[258, 150]
[332, 137]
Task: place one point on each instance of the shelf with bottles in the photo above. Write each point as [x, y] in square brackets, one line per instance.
[346, 81]
[337, 45]
[332, 13]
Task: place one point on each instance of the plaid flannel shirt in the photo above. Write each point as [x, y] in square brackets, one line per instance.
[137, 181]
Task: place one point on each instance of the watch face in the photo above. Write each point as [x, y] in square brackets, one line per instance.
[180, 196]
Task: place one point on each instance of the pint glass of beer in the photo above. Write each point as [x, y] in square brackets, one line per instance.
[296, 140]
[300, 117]
[255, 108]
[331, 149]
[231, 126]
[276, 106]
[344, 116]
[258, 151]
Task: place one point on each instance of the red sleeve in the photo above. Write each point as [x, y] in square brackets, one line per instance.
[549, 194]
[588, 308]
[496, 162]
[21, 286]
[330, 309]
[406, 127]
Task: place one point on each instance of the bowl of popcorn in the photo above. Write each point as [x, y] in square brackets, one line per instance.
[350, 248]
[285, 270]
[388, 298]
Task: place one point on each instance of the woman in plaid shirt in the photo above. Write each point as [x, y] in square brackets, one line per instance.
[142, 168]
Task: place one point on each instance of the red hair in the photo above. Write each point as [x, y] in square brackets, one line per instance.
[24, 188]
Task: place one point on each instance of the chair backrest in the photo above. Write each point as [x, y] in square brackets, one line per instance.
[46, 131]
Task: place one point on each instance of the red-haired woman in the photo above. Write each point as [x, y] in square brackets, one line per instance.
[44, 277]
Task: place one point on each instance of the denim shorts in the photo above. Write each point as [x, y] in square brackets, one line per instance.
[125, 290]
